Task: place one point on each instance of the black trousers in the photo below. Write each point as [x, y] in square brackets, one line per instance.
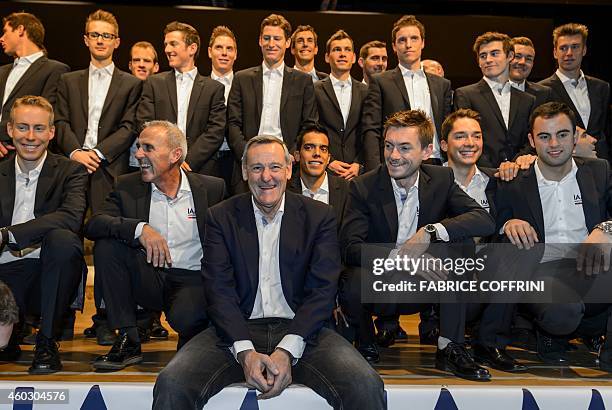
[128, 280]
[494, 322]
[221, 165]
[58, 271]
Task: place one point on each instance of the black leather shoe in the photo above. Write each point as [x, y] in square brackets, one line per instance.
[497, 358]
[158, 331]
[429, 338]
[123, 353]
[594, 343]
[10, 353]
[90, 332]
[456, 359]
[369, 352]
[551, 350]
[604, 357]
[46, 356]
[400, 334]
[105, 336]
[144, 335]
[385, 338]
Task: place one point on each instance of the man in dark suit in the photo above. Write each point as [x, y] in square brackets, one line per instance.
[372, 59]
[404, 88]
[313, 180]
[183, 96]
[304, 49]
[32, 73]
[96, 108]
[541, 206]
[587, 96]
[339, 104]
[149, 238]
[269, 99]
[270, 277]
[395, 204]
[504, 110]
[520, 68]
[42, 204]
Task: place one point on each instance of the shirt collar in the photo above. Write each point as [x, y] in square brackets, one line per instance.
[477, 174]
[565, 79]
[519, 86]
[280, 69]
[398, 189]
[324, 188]
[495, 86]
[229, 77]
[543, 181]
[29, 59]
[406, 72]
[259, 216]
[34, 172]
[183, 188]
[109, 69]
[191, 74]
[340, 83]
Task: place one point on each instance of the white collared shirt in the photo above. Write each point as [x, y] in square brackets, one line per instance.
[270, 300]
[564, 220]
[23, 209]
[519, 86]
[476, 188]
[502, 94]
[99, 82]
[184, 85]
[226, 80]
[176, 220]
[420, 98]
[322, 193]
[343, 90]
[20, 66]
[579, 94]
[270, 110]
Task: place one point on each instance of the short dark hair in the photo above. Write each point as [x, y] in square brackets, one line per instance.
[301, 29]
[9, 312]
[448, 123]
[148, 46]
[32, 25]
[190, 34]
[491, 36]
[412, 118]
[522, 41]
[221, 31]
[570, 29]
[316, 127]
[551, 110]
[406, 21]
[276, 20]
[338, 35]
[365, 49]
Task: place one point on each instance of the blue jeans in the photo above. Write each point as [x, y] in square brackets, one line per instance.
[331, 367]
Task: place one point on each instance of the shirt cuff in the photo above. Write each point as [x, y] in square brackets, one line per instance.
[241, 346]
[99, 154]
[441, 232]
[294, 344]
[503, 228]
[138, 230]
[72, 153]
[11, 237]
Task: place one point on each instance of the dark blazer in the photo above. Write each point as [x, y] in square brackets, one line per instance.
[39, 79]
[491, 190]
[60, 199]
[309, 260]
[599, 96]
[542, 93]
[129, 203]
[371, 214]
[345, 143]
[338, 190]
[500, 143]
[520, 198]
[387, 95]
[116, 129]
[205, 114]
[322, 75]
[244, 106]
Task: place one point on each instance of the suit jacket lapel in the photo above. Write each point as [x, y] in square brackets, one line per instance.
[515, 101]
[425, 197]
[4, 73]
[34, 67]
[198, 86]
[7, 199]
[84, 91]
[387, 200]
[171, 87]
[257, 82]
[588, 193]
[335, 194]
[487, 94]
[594, 104]
[287, 78]
[249, 241]
[331, 94]
[433, 96]
[290, 243]
[114, 86]
[46, 182]
[532, 196]
[200, 201]
[399, 82]
[353, 117]
[143, 200]
[557, 86]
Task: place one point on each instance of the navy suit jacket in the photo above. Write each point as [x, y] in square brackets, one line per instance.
[309, 259]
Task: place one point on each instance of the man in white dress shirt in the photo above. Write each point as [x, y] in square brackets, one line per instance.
[304, 48]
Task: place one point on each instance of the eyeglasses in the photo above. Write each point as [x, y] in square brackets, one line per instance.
[94, 35]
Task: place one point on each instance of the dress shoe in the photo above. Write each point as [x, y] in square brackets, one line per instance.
[104, 335]
[158, 331]
[144, 335]
[430, 337]
[10, 353]
[123, 353]
[400, 334]
[46, 356]
[385, 338]
[369, 352]
[524, 339]
[29, 335]
[497, 358]
[90, 332]
[551, 350]
[456, 359]
[594, 343]
[604, 357]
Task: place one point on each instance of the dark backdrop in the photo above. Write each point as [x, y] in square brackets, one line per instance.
[449, 38]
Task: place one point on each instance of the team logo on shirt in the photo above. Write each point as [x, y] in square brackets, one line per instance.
[191, 213]
[484, 203]
[577, 199]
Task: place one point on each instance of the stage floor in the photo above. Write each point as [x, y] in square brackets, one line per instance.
[404, 363]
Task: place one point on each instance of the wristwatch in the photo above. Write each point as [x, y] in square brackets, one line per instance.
[432, 231]
[606, 227]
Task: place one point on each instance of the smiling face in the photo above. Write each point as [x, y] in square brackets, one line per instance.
[305, 48]
[180, 55]
[408, 45]
[492, 59]
[142, 62]
[314, 154]
[30, 130]
[375, 62]
[154, 156]
[273, 45]
[267, 172]
[223, 54]
[403, 152]
[101, 49]
[341, 56]
[464, 145]
[553, 139]
[522, 63]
